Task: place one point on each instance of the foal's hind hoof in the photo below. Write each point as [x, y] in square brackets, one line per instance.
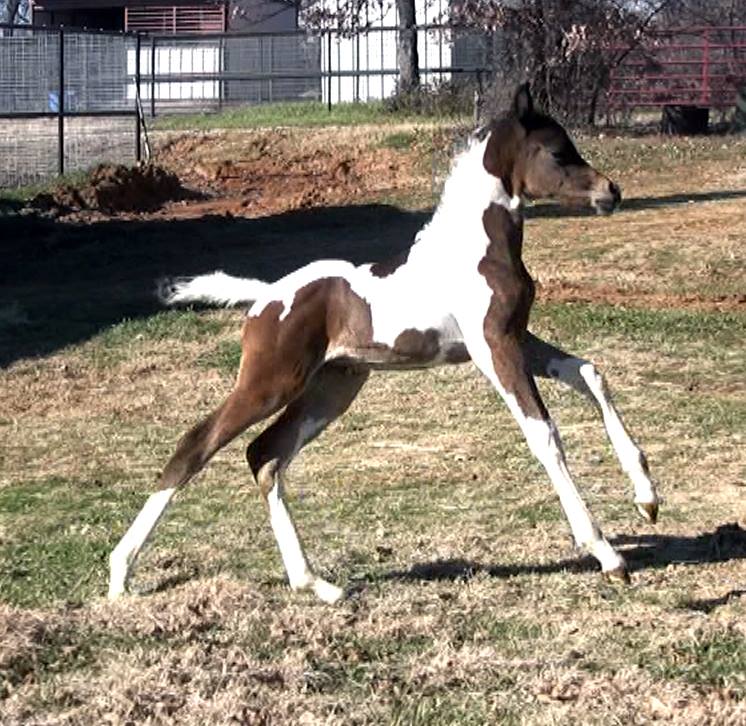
[649, 511]
[618, 574]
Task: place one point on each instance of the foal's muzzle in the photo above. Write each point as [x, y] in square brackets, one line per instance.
[607, 200]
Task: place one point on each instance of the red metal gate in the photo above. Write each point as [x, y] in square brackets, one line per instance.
[684, 66]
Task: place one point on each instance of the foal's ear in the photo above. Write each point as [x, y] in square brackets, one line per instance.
[523, 104]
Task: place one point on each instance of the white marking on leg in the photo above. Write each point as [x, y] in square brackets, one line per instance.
[629, 454]
[291, 550]
[124, 555]
[544, 441]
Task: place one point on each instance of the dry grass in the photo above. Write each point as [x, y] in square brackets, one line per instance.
[469, 603]
[680, 235]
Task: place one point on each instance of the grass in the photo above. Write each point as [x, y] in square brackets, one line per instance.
[469, 603]
[715, 659]
[117, 342]
[62, 532]
[11, 197]
[303, 114]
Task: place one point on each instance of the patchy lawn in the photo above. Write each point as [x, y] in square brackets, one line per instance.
[469, 603]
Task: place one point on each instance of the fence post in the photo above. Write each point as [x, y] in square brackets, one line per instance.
[61, 107]
[138, 150]
[329, 70]
[705, 68]
[271, 85]
[152, 77]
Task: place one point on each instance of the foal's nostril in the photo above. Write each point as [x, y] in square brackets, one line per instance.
[615, 192]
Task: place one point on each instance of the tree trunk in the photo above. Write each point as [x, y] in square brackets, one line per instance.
[406, 52]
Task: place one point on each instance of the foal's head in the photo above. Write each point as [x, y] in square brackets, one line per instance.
[534, 157]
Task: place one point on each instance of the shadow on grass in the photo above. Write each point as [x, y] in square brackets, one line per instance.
[636, 204]
[65, 282]
[642, 552]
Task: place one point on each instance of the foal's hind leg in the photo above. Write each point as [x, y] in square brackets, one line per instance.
[327, 396]
[239, 411]
[549, 362]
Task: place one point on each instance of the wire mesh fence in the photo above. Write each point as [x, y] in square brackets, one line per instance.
[65, 102]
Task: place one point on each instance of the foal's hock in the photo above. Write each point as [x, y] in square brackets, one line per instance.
[460, 293]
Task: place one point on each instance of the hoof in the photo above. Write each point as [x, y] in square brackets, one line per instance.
[115, 593]
[326, 592]
[649, 511]
[618, 574]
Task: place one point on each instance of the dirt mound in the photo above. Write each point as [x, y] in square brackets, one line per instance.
[112, 188]
[262, 173]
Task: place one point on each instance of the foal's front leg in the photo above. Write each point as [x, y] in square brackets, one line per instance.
[547, 361]
[498, 353]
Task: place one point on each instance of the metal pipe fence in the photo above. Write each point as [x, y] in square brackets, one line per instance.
[702, 66]
[72, 98]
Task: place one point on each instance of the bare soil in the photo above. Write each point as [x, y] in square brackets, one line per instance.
[112, 188]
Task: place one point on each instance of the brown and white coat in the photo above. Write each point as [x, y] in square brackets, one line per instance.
[460, 293]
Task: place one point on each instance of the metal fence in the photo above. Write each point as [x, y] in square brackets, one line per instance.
[70, 98]
[64, 102]
[683, 66]
[207, 71]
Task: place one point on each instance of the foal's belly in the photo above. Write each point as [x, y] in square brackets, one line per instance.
[407, 334]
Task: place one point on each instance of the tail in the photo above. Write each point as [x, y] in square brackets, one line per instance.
[215, 289]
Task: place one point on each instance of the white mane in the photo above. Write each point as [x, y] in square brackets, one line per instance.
[467, 192]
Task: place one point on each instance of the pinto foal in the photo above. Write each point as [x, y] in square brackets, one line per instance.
[460, 293]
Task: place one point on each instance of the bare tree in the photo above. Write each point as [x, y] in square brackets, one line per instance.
[14, 11]
[406, 49]
[566, 48]
[347, 17]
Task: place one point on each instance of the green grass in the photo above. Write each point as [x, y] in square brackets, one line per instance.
[713, 659]
[11, 197]
[399, 140]
[225, 357]
[168, 325]
[667, 328]
[61, 532]
[311, 114]
[119, 342]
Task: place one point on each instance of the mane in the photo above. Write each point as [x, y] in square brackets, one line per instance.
[467, 192]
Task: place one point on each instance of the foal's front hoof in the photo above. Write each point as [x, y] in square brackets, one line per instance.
[649, 511]
[116, 591]
[326, 592]
[618, 574]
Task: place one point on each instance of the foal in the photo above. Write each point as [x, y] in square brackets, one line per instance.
[460, 293]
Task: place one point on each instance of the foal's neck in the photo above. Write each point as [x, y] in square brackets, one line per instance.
[469, 191]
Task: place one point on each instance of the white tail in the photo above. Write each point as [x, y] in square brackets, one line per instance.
[216, 288]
